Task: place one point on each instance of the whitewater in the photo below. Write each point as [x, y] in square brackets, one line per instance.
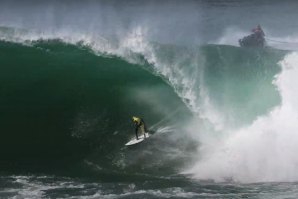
[263, 150]
[73, 74]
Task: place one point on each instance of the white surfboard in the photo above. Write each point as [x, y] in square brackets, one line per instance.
[135, 141]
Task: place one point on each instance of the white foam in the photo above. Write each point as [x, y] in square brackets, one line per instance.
[265, 150]
[164, 193]
[35, 187]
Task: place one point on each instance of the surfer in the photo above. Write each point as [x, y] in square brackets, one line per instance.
[258, 31]
[139, 126]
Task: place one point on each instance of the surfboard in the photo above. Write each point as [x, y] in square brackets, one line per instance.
[135, 141]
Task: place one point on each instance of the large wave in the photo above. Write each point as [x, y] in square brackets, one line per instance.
[71, 97]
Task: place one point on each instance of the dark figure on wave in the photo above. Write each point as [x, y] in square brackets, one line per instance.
[140, 126]
[256, 39]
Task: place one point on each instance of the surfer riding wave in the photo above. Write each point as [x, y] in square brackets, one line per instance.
[140, 126]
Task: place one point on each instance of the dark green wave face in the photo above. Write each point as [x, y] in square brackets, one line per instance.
[61, 103]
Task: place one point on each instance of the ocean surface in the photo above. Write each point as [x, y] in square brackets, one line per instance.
[73, 73]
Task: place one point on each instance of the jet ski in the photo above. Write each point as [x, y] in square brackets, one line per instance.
[253, 40]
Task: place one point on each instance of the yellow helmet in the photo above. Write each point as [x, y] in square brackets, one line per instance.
[135, 119]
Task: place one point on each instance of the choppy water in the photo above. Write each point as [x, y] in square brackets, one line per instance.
[58, 187]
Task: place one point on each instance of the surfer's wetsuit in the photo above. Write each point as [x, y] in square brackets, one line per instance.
[139, 125]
